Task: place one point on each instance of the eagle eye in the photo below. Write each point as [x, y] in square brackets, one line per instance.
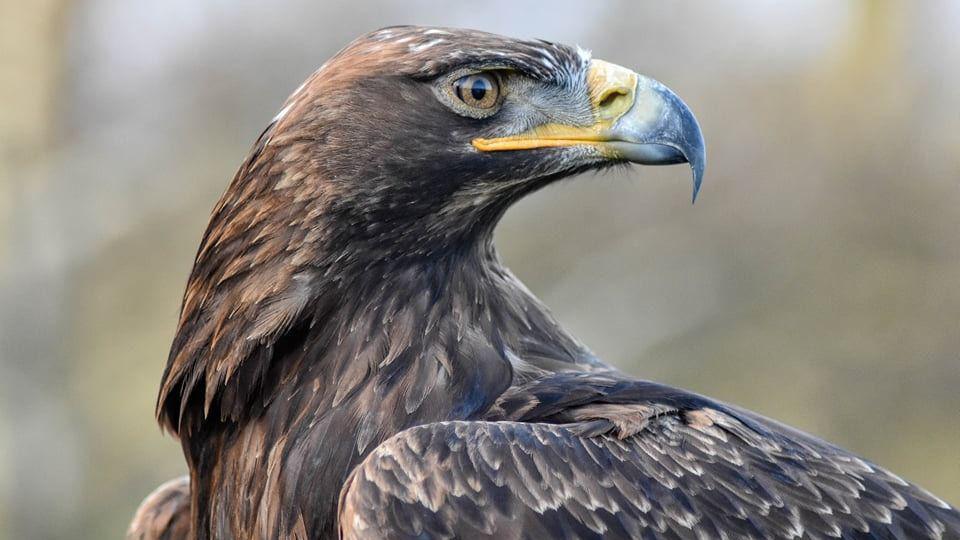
[476, 94]
[480, 90]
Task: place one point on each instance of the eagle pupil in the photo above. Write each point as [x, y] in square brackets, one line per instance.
[479, 89]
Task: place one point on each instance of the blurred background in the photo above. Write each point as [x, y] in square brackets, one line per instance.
[816, 280]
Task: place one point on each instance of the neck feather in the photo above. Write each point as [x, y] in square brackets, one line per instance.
[251, 333]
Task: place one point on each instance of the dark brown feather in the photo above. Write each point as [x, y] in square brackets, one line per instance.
[164, 514]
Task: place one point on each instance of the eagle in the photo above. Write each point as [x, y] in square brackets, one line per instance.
[353, 359]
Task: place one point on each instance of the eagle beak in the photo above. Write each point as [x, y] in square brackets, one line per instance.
[636, 119]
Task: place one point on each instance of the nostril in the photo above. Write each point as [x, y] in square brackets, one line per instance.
[611, 97]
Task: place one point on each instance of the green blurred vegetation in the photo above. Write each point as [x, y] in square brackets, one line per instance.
[816, 280]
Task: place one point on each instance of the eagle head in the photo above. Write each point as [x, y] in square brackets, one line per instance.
[424, 136]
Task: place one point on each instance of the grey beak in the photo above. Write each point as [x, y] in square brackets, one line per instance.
[659, 129]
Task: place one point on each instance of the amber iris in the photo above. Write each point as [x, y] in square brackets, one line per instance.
[480, 90]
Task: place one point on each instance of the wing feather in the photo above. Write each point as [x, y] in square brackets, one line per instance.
[164, 514]
[699, 474]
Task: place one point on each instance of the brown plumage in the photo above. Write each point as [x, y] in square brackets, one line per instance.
[164, 514]
[352, 356]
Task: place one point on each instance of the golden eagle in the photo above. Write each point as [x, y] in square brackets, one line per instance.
[353, 358]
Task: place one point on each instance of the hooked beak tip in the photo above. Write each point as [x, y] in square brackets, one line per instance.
[697, 180]
[659, 129]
